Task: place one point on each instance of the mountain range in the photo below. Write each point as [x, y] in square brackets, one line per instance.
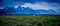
[22, 10]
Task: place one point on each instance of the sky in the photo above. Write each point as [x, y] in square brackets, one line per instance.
[33, 4]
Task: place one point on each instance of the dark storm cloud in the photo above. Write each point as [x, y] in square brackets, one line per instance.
[15, 2]
[1, 3]
[52, 1]
[29, 1]
[33, 1]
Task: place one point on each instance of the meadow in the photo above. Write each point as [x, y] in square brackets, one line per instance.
[29, 20]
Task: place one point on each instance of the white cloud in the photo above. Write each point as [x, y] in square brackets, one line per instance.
[42, 5]
[1, 8]
[35, 6]
[16, 6]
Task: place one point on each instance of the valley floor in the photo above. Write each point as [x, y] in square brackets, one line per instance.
[29, 20]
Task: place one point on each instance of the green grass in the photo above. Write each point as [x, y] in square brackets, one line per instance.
[29, 20]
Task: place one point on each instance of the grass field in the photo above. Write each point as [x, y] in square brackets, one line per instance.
[29, 20]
